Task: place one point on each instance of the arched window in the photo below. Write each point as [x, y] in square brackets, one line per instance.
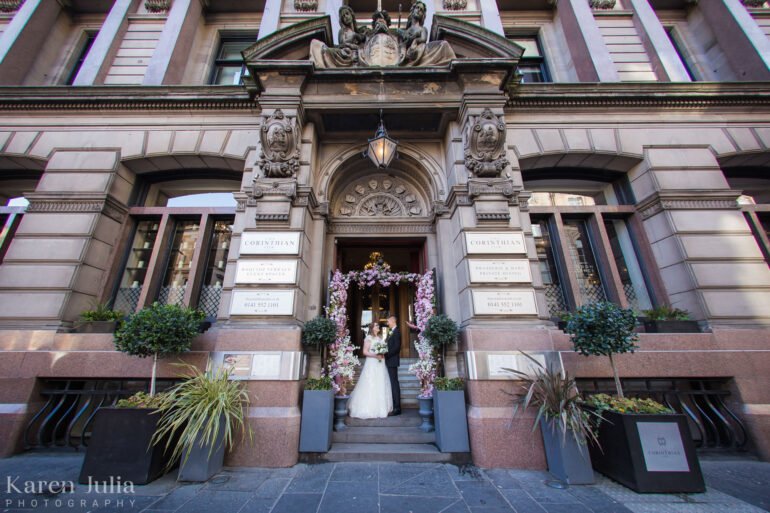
[754, 202]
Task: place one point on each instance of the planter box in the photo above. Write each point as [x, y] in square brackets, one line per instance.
[317, 420]
[451, 421]
[120, 446]
[671, 327]
[568, 460]
[96, 327]
[199, 467]
[648, 453]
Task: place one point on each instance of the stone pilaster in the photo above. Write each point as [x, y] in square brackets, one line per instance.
[99, 58]
[24, 37]
[170, 57]
[589, 53]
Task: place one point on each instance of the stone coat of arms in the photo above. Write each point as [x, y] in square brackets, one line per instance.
[279, 136]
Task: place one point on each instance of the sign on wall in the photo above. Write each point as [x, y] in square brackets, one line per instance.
[662, 447]
[266, 271]
[500, 271]
[270, 243]
[504, 302]
[494, 243]
[262, 302]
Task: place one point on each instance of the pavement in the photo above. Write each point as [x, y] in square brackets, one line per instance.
[733, 486]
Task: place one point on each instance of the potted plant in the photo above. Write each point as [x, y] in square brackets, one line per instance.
[450, 416]
[317, 415]
[646, 452]
[198, 417]
[565, 425]
[665, 319]
[120, 439]
[441, 331]
[319, 332]
[561, 319]
[100, 319]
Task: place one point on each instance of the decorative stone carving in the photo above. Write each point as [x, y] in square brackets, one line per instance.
[379, 196]
[157, 5]
[485, 145]
[10, 5]
[753, 3]
[279, 157]
[285, 188]
[305, 5]
[455, 5]
[602, 4]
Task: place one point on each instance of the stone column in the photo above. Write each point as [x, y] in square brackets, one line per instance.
[490, 17]
[740, 38]
[100, 56]
[57, 263]
[24, 37]
[333, 11]
[590, 55]
[271, 18]
[708, 259]
[170, 57]
[658, 44]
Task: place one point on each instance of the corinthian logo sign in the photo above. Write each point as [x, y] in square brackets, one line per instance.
[494, 243]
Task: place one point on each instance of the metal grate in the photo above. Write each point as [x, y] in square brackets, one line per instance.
[127, 299]
[712, 424]
[171, 295]
[554, 298]
[209, 300]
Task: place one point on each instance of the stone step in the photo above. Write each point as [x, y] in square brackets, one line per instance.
[383, 435]
[409, 418]
[412, 453]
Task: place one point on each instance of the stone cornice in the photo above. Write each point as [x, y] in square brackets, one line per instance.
[77, 203]
[696, 200]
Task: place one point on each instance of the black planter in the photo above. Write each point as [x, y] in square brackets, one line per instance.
[317, 420]
[671, 327]
[202, 463]
[648, 453]
[451, 421]
[568, 460]
[96, 327]
[120, 447]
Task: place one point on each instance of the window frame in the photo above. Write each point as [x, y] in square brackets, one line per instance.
[217, 63]
[8, 227]
[680, 47]
[754, 215]
[540, 61]
[84, 45]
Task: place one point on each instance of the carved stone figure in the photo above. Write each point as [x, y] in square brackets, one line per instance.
[485, 145]
[382, 47]
[280, 146]
[419, 52]
[350, 40]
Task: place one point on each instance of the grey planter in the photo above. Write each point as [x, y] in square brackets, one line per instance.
[426, 413]
[200, 466]
[568, 461]
[317, 420]
[451, 421]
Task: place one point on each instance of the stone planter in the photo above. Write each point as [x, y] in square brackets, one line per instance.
[340, 412]
[671, 327]
[120, 447]
[568, 460]
[648, 453]
[317, 420]
[426, 412]
[201, 464]
[451, 421]
[96, 327]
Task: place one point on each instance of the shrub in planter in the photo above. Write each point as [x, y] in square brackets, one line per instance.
[198, 418]
[317, 415]
[664, 319]
[319, 331]
[565, 425]
[645, 446]
[449, 415]
[101, 319]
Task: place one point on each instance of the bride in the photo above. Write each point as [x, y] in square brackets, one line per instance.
[372, 398]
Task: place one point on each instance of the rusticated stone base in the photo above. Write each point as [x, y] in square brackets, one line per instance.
[275, 440]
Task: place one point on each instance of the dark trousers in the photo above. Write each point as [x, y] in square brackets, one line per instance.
[395, 388]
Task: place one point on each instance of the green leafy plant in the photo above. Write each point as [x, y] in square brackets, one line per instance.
[449, 384]
[666, 313]
[563, 315]
[440, 330]
[556, 398]
[322, 383]
[101, 312]
[158, 331]
[141, 400]
[606, 402]
[319, 331]
[198, 409]
[603, 329]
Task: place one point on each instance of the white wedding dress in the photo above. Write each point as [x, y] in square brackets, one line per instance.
[371, 398]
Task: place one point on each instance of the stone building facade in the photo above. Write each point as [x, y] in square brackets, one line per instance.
[571, 151]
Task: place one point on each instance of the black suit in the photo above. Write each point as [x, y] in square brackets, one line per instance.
[392, 361]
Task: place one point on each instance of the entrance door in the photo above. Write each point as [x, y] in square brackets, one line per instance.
[377, 303]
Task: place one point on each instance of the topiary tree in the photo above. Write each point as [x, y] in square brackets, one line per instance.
[603, 329]
[319, 331]
[440, 330]
[158, 331]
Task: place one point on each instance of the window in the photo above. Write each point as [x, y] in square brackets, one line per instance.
[754, 202]
[87, 44]
[678, 47]
[11, 211]
[532, 63]
[229, 68]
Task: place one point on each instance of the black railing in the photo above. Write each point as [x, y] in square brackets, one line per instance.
[713, 425]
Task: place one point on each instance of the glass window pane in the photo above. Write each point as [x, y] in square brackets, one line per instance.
[214, 277]
[554, 294]
[529, 44]
[208, 199]
[231, 50]
[136, 267]
[580, 252]
[227, 75]
[180, 262]
[627, 265]
[531, 73]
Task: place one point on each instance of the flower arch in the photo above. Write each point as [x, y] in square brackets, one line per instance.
[343, 361]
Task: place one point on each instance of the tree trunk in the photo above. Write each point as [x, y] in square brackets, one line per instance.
[152, 378]
[617, 379]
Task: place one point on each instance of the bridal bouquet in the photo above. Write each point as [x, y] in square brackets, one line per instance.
[379, 346]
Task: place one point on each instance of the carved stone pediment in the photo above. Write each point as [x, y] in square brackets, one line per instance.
[279, 157]
[379, 196]
[485, 145]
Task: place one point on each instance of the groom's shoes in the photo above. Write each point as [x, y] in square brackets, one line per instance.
[394, 413]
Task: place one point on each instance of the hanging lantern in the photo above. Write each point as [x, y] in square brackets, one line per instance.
[381, 149]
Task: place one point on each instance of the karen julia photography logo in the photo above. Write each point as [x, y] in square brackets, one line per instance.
[64, 494]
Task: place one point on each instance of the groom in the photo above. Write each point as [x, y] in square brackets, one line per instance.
[392, 361]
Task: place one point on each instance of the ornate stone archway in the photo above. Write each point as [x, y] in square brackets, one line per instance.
[379, 195]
